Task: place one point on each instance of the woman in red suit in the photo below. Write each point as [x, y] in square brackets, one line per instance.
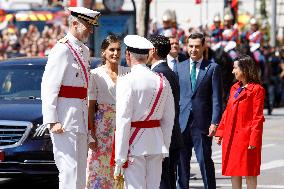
[240, 130]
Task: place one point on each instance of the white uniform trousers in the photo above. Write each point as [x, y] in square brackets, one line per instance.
[143, 172]
[70, 155]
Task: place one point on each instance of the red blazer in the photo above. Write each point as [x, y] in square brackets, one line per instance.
[242, 125]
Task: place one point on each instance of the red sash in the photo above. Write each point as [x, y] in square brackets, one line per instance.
[255, 37]
[74, 52]
[73, 92]
[137, 129]
[146, 124]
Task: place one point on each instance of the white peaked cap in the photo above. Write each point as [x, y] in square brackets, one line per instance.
[228, 17]
[137, 44]
[88, 15]
[253, 21]
[217, 18]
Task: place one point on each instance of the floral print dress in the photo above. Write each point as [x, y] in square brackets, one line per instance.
[102, 89]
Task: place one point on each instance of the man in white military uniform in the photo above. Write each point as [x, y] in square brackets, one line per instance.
[64, 98]
[144, 119]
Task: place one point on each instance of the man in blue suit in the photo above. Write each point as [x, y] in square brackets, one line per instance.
[157, 59]
[175, 56]
[200, 111]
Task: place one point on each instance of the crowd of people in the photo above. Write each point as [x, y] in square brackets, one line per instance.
[225, 40]
[143, 121]
[30, 42]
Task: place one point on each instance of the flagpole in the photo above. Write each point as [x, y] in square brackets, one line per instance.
[80, 3]
[254, 8]
[206, 12]
[273, 24]
[156, 9]
[201, 13]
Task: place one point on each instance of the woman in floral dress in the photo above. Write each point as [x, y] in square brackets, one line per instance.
[102, 117]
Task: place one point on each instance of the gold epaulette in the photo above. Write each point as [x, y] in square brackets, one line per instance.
[63, 40]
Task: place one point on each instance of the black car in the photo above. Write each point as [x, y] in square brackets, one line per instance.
[25, 145]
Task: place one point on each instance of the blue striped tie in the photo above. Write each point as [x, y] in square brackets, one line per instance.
[175, 65]
[193, 75]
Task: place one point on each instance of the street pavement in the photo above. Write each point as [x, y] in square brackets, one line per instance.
[272, 166]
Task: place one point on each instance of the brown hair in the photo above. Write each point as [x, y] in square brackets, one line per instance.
[106, 42]
[249, 69]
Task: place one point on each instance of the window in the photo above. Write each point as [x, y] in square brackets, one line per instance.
[20, 81]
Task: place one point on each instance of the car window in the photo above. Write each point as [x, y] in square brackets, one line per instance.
[20, 81]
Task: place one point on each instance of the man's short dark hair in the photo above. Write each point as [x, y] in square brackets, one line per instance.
[197, 35]
[162, 45]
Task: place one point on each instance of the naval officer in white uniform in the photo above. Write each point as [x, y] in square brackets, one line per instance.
[64, 98]
[144, 119]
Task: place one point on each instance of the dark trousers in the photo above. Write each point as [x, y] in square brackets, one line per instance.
[268, 100]
[194, 138]
[169, 172]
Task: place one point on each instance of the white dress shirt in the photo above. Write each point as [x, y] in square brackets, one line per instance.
[170, 61]
[197, 65]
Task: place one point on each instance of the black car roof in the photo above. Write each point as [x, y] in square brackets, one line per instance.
[39, 61]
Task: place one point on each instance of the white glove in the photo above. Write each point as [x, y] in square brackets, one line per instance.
[90, 138]
[119, 170]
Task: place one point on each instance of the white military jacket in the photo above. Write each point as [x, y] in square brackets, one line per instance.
[135, 96]
[63, 69]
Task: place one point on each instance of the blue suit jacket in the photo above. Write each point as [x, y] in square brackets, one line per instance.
[204, 104]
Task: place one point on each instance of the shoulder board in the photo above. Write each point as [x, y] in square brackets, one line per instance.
[63, 40]
[124, 74]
